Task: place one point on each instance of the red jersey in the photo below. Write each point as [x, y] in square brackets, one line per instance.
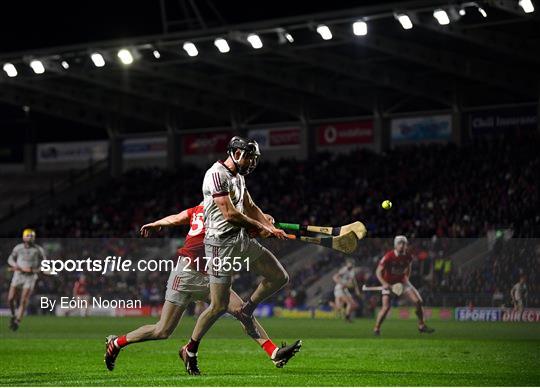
[194, 244]
[79, 288]
[394, 267]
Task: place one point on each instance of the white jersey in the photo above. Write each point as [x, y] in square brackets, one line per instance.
[346, 276]
[27, 257]
[219, 181]
[519, 292]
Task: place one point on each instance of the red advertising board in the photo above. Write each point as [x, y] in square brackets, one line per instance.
[206, 143]
[284, 137]
[348, 133]
[276, 138]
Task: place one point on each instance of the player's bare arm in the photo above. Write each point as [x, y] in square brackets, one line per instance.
[379, 275]
[337, 279]
[14, 267]
[181, 218]
[232, 215]
[253, 211]
[12, 262]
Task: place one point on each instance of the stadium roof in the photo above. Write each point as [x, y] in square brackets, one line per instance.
[473, 61]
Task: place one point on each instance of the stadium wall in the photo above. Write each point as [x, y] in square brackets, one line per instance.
[280, 140]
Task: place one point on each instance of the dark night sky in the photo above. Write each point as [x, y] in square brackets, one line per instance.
[35, 24]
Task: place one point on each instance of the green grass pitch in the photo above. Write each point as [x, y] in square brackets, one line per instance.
[69, 351]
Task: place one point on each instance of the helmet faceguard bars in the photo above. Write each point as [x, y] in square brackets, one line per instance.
[249, 148]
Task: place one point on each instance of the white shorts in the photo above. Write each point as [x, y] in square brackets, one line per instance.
[229, 259]
[23, 280]
[407, 286]
[186, 286]
[340, 291]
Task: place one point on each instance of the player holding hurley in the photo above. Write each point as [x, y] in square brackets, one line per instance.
[228, 212]
[395, 267]
[188, 282]
[345, 280]
[25, 262]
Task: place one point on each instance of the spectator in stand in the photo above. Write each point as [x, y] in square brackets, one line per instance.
[437, 190]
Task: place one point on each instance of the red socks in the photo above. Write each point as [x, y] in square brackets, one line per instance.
[121, 341]
[269, 347]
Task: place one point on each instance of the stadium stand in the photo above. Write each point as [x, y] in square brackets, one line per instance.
[460, 189]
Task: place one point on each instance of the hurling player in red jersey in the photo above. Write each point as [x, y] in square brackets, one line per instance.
[80, 292]
[395, 267]
[188, 282]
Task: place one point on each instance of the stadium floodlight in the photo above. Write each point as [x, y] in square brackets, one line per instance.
[255, 41]
[526, 5]
[157, 54]
[284, 36]
[222, 45]
[98, 60]
[324, 31]
[359, 28]
[190, 49]
[37, 66]
[482, 12]
[125, 56]
[441, 16]
[10, 70]
[404, 20]
[65, 65]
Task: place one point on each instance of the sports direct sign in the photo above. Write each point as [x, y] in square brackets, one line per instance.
[278, 138]
[206, 143]
[348, 133]
[497, 315]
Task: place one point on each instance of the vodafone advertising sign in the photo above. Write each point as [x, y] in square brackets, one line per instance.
[347, 133]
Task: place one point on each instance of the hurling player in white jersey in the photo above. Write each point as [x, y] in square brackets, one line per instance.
[25, 262]
[228, 212]
[188, 282]
[345, 280]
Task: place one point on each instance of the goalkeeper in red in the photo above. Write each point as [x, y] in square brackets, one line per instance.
[395, 267]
